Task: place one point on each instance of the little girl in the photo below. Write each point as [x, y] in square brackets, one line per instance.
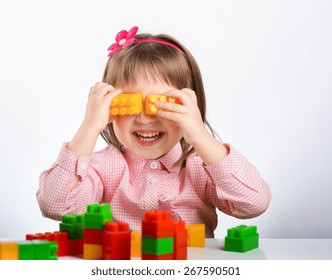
[168, 161]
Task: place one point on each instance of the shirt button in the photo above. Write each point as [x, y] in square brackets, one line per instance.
[84, 165]
[153, 165]
[153, 180]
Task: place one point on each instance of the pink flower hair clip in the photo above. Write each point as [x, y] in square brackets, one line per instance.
[123, 39]
[126, 38]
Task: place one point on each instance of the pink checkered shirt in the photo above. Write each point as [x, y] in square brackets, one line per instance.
[133, 185]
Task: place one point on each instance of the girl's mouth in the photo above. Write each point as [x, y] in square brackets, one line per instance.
[148, 136]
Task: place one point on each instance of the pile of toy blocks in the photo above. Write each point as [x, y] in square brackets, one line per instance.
[162, 237]
[94, 236]
[28, 250]
[104, 239]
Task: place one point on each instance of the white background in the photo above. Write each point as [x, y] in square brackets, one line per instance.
[267, 68]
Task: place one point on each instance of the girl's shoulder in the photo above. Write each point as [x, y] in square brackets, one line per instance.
[109, 152]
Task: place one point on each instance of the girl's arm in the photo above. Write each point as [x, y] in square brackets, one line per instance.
[73, 182]
[236, 187]
[188, 117]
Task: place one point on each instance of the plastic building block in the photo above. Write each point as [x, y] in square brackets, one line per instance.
[25, 250]
[151, 108]
[92, 252]
[157, 224]
[76, 247]
[93, 236]
[136, 245]
[157, 246]
[241, 239]
[116, 241]
[8, 251]
[180, 241]
[196, 235]
[126, 104]
[44, 250]
[97, 215]
[73, 224]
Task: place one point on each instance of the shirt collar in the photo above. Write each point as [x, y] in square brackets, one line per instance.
[166, 162]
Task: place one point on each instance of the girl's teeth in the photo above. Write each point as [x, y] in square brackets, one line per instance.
[147, 136]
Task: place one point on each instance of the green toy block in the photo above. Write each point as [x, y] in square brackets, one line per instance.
[74, 225]
[241, 239]
[157, 246]
[25, 250]
[44, 250]
[97, 215]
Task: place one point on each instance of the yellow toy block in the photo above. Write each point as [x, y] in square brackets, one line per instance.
[196, 235]
[8, 251]
[92, 252]
[126, 104]
[151, 108]
[136, 245]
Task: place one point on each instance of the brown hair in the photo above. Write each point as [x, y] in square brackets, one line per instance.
[176, 68]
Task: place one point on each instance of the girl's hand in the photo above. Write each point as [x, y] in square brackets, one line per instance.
[186, 115]
[97, 109]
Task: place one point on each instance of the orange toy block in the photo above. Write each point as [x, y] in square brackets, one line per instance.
[151, 108]
[126, 104]
[92, 252]
[136, 245]
[196, 235]
[8, 251]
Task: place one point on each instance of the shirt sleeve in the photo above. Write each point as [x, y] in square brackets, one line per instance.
[236, 187]
[59, 195]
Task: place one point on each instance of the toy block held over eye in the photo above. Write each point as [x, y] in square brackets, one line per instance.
[126, 104]
[241, 239]
[151, 108]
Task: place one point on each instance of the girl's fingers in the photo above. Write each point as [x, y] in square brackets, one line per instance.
[101, 89]
[168, 106]
[185, 95]
[174, 117]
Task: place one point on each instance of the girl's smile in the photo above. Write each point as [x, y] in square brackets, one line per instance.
[147, 137]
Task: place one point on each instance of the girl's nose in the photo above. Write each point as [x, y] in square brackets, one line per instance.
[144, 118]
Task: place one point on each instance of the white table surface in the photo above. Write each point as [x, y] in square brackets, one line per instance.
[269, 249]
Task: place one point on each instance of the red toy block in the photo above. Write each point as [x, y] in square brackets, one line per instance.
[157, 224]
[36, 236]
[180, 241]
[93, 236]
[62, 239]
[76, 247]
[157, 257]
[116, 241]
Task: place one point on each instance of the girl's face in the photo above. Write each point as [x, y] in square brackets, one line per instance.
[149, 136]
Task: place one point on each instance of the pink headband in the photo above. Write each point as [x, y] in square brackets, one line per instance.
[126, 38]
